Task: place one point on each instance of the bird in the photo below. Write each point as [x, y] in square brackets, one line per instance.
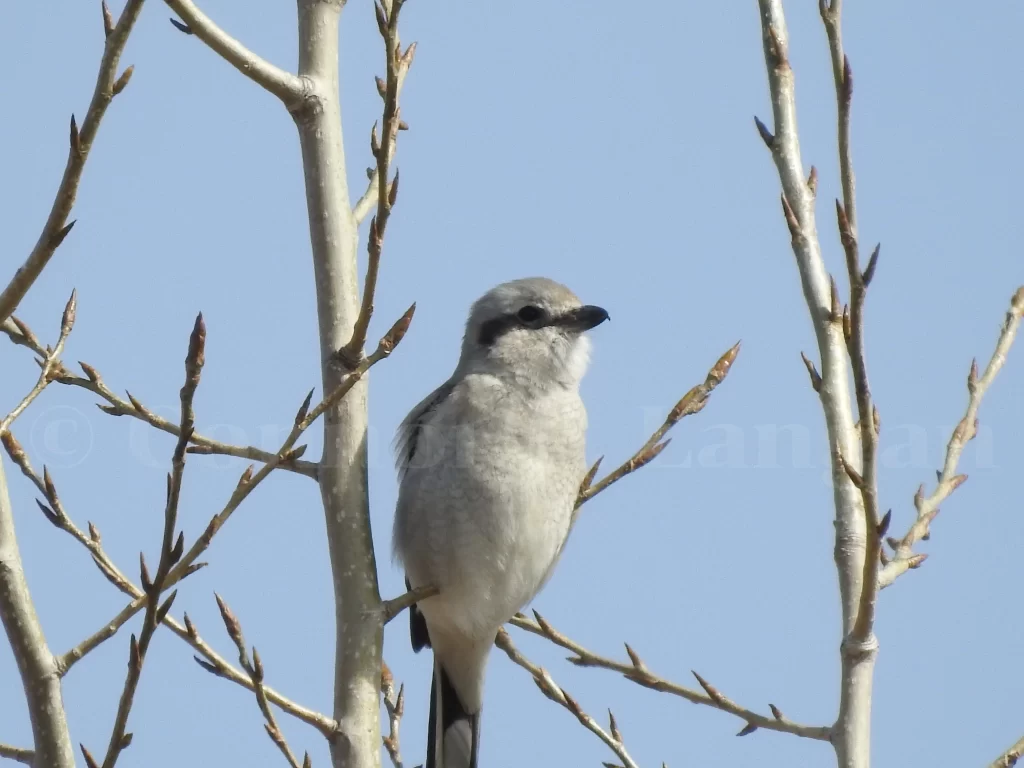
[490, 464]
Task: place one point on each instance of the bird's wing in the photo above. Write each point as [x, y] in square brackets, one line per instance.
[410, 429]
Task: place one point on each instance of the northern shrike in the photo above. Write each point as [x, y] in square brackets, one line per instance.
[490, 464]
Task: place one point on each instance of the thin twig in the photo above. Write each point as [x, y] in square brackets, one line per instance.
[381, 191]
[254, 669]
[692, 402]
[559, 695]
[50, 362]
[217, 665]
[831, 15]
[289, 88]
[927, 508]
[26, 756]
[19, 333]
[636, 671]
[56, 228]
[170, 550]
[394, 703]
[1010, 757]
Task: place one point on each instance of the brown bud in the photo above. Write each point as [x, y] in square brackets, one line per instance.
[122, 82]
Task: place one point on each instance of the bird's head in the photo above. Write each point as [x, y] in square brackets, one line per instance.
[533, 328]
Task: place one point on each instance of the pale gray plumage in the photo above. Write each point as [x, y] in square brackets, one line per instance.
[490, 463]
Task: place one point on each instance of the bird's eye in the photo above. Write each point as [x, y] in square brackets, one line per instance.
[530, 314]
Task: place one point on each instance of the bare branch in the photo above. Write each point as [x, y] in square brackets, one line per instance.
[692, 402]
[19, 333]
[246, 484]
[289, 88]
[831, 15]
[948, 480]
[187, 632]
[170, 551]
[26, 756]
[56, 227]
[217, 665]
[397, 65]
[254, 669]
[851, 735]
[394, 703]
[51, 361]
[636, 671]
[560, 696]
[1010, 757]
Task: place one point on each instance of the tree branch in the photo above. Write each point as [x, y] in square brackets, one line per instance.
[108, 85]
[19, 333]
[637, 672]
[396, 605]
[36, 665]
[612, 738]
[50, 362]
[187, 632]
[397, 66]
[26, 756]
[289, 88]
[254, 669]
[216, 664]
[852, 732]
[1010, 757]
[187, 565]
[394, 703]
[170, 553]
[831, 15]
[948, 480]
[334, 237]
[692, 402]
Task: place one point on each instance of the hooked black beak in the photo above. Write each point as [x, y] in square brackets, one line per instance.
[583, 318]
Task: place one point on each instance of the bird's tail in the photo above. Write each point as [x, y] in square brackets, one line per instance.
[453, 738]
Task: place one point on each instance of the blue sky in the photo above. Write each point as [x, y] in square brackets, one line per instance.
[614, 150]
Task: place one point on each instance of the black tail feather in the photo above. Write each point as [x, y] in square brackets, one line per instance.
[459, 731]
